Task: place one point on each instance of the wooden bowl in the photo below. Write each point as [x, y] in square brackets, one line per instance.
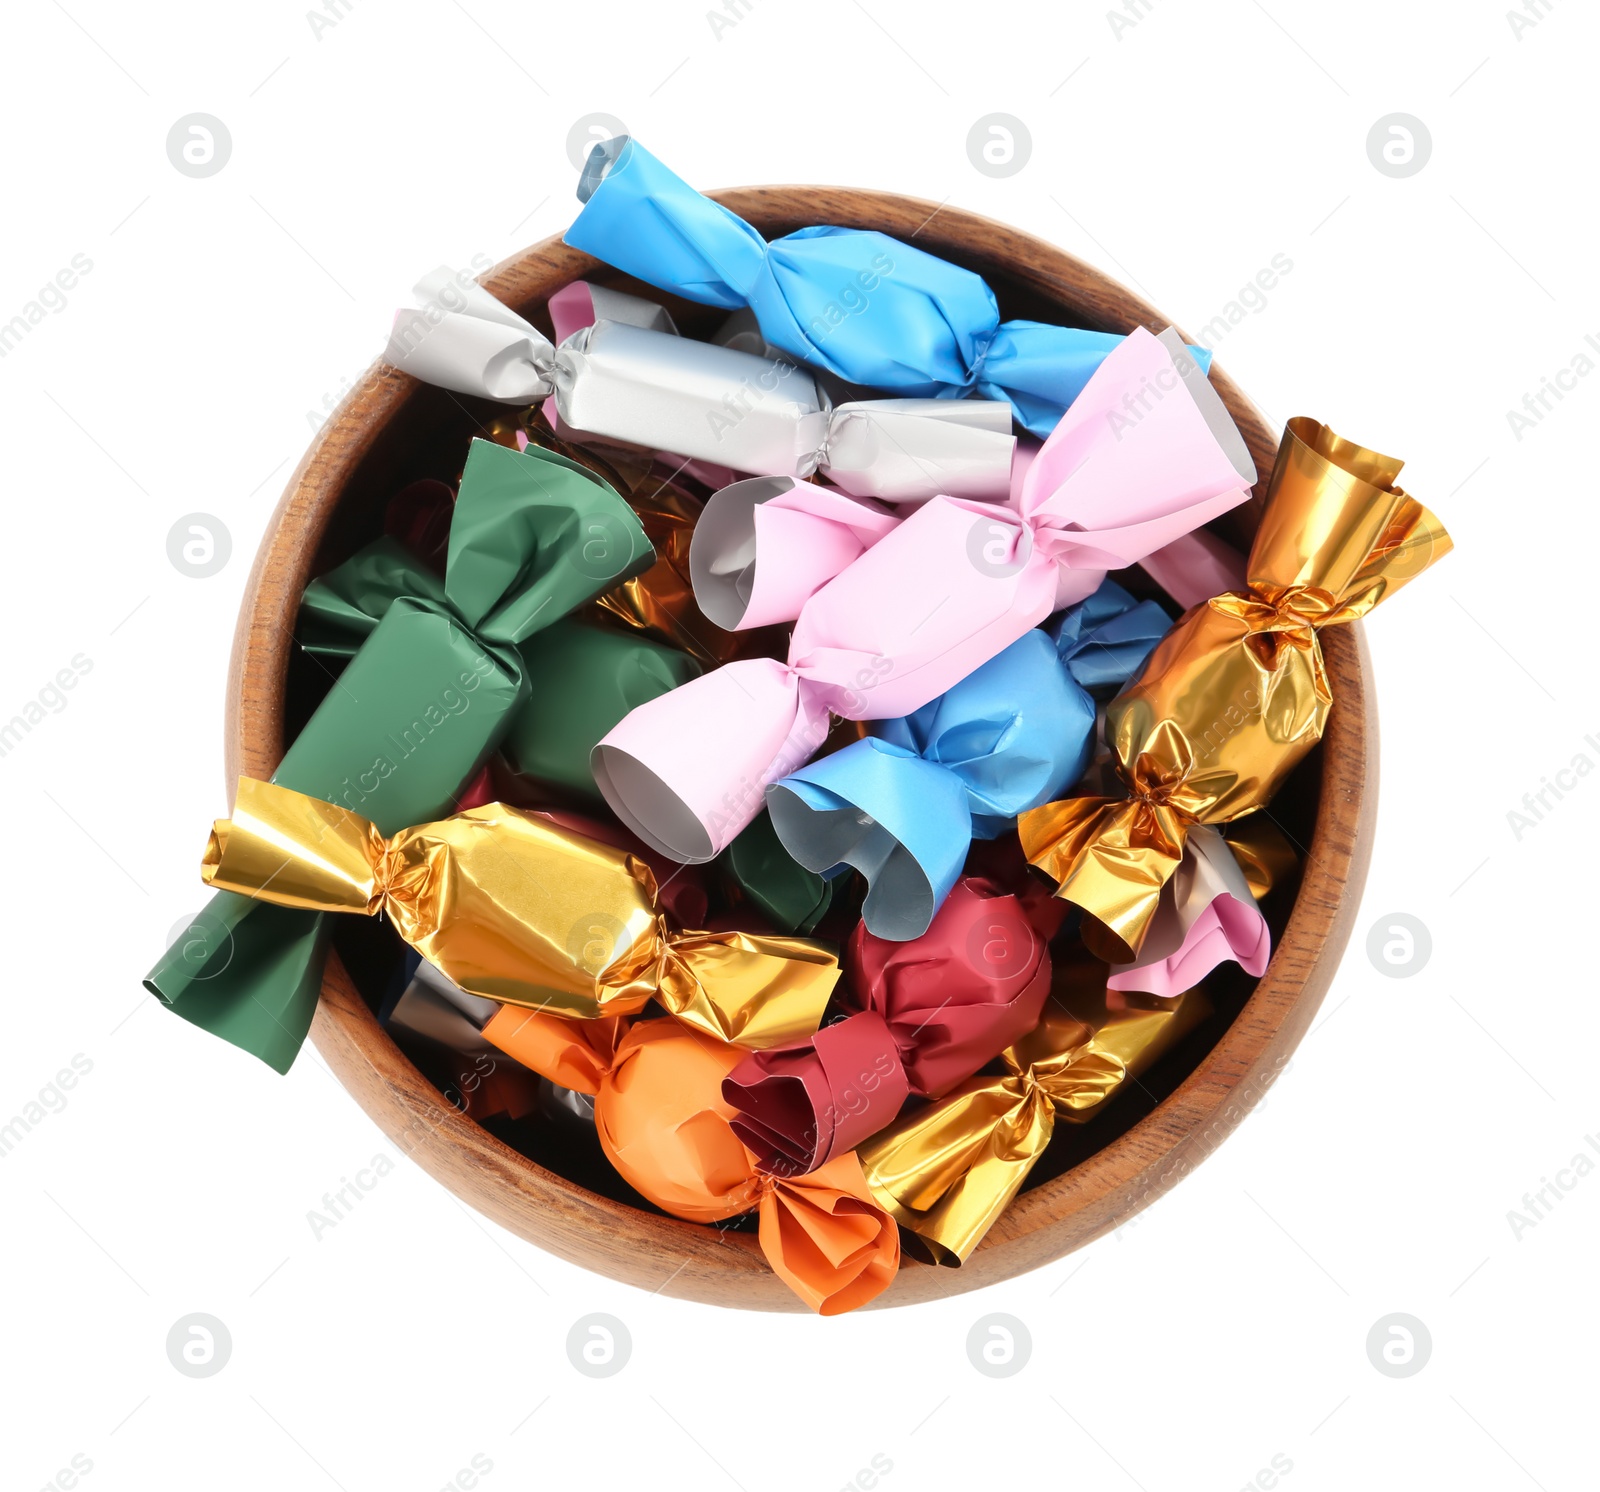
[391, 430]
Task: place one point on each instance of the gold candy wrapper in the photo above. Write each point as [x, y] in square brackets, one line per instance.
[1264, 853]
[660, 602]
[1233, 698]
[516, 909]
[948, 1172]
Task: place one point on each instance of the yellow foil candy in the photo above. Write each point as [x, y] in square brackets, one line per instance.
[949, 1171]
[1264, 853]
[1236, 694]
[515, 909]
[660, 601]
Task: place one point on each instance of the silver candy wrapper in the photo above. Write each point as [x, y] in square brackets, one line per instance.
[630, 378]
[461, 338]
[742, 332]
[566, 1105]
[435, 1008]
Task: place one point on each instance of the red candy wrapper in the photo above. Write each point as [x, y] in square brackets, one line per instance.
[929, 1013]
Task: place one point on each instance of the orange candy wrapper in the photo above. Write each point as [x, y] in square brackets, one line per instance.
[515, 908]
[1233, 698]
[664, 1125]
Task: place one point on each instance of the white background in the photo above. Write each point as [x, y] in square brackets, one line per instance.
[1228, 1325]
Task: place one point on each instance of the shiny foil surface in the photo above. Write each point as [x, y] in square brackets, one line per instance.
[1233, 698]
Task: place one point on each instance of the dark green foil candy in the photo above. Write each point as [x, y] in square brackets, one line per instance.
[586, 679]
[435, 678]
[790, 897]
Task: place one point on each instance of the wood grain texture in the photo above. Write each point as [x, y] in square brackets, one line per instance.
[372, 444]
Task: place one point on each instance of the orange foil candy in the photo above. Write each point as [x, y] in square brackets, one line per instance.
[663, 1124]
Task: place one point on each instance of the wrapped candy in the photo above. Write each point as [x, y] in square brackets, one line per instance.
[434, 679]
[904, 805]
[1236, 694]
[585, 679]
[427, 1021]
[948, 1172]
[660, 600]
[711, 403]
[664, 1125]
[808, 533]
[870, 309]
[1146, 453]
[513, 908]
[764, 875]
[927, 1014]
[1207, 916]
[580, 680]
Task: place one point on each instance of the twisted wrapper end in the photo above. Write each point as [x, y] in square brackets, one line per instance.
[827, 1237]
[297, 851]
[1337, 535]
[463, 339]
[1208, 915]
[807, 1103]
[663, 1123]
[948, 1173]
[1110, 857]
[748, 989]
[513, 907]
[574, 1054]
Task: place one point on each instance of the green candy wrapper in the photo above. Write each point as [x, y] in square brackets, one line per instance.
[790, 897]
[592, 678]
[341, 609]
[434, 680]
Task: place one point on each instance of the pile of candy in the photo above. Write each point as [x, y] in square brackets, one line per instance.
[716, 745]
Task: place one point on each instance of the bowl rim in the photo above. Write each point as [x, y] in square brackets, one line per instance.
[686, 1260]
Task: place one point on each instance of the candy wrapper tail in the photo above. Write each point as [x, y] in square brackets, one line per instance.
[638, 382]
